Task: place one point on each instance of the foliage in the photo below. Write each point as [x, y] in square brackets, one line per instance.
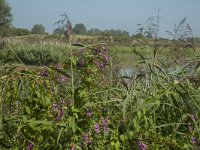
[80, 28]
[38, 29]
[94, 31]
[85, 105]
[81, 101]
[5, 17]
[33, 55]
[17, 32]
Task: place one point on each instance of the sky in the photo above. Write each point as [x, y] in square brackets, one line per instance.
[107, 14]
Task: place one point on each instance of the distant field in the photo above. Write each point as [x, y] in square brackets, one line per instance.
[38, 50]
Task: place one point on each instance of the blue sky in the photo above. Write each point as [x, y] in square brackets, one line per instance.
[106, 14]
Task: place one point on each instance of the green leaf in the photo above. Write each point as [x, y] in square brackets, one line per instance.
[37, 94]
[59, 135]
[27, 109]
[123, 138]
[19, 128]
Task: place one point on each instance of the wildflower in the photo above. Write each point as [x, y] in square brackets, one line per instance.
[105, 125]
[29, 147]
[80, 64]
[105, 122]
[59, 67]
[106, 57]
[97, 51]
[193, 116]
[141, 145]
[89, 113]
[45, 73]
[54, 106]
[71, 148]
[62, 78]
[96, 128]
[86, 139]
[102, 65]
[194, 140]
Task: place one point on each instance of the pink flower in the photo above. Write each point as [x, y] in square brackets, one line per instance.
[141, 145]
[96, 128]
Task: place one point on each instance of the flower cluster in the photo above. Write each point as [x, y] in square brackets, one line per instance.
[86, 139]
[141, 145]
[30, 146]
[105, 124]
[96, 128]
[57, 108]
[89, 113]
[62, 78]
[103, 58]
[194, 140]
[45, 73]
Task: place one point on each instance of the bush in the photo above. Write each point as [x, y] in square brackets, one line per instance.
[80, 106]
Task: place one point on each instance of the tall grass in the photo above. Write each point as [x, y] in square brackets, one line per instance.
[86, 104]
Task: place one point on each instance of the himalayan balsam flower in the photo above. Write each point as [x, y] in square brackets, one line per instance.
[45, 73]
[193, 116]
[141, 145]
[71, 148]
[102, 65]
[29, 147]
[194, 140]
[106, 57]
[89, 113]
[80, 65]
[86, 139]
[59, 67]
[104, 122]
[96, 128]
[62, 79]
[105, 125]
[54, 106]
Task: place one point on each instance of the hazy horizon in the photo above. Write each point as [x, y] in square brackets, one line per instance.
[112, 14]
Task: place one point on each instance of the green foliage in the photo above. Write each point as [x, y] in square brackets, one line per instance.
[84, 103]
[94, 32]
[80, 28]
[34, 55]
[17, 32]
[5, 17]
[38, 29]
[45, 114]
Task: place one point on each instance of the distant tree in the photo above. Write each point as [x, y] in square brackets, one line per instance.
[80, 28]
[94, 31]
[140, 32]
[125, 33]
[38, 29]
[22, 31]
[18, 32]
[5, 17]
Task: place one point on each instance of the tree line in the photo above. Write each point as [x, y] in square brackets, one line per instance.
[7, 29]
[81, 29]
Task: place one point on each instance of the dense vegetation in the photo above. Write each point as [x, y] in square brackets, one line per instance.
[100, 90]
[77, 99]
